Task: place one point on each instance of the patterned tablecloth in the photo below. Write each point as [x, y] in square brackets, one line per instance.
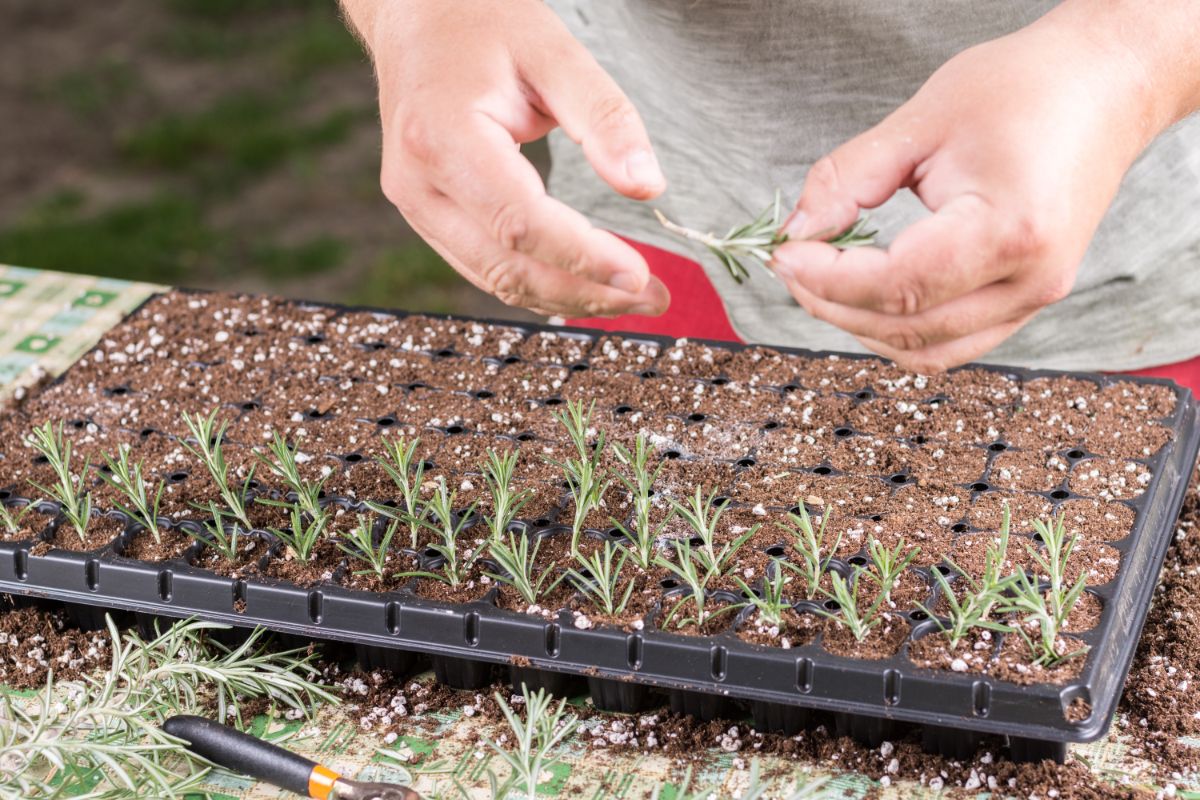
[48, 319]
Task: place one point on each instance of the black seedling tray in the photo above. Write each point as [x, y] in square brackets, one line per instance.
[784, 690]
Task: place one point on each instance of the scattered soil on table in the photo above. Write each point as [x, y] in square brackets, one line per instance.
[34, 642]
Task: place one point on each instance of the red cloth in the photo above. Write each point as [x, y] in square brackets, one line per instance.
[697, 312]
[696, 309]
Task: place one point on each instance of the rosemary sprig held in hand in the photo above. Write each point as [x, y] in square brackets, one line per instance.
[756, 241]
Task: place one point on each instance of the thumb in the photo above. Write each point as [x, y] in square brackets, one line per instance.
[862, 173]
[591, 109]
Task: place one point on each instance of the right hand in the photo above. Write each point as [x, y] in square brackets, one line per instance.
[461, 87]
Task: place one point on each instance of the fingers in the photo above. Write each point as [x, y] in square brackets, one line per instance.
[518, 279]
[501, 192]
[941, 357]
[862, 173]
[944, 256]
[960, 318]
[589, 106]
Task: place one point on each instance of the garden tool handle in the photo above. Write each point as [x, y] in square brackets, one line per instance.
[249, 755]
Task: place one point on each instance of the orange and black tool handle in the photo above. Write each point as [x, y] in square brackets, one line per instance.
[248, 755]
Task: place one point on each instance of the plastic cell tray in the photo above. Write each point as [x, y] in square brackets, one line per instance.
[782, 690]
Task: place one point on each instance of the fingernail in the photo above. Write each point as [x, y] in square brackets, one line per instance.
[645, 310]
[795, 224]
[626, 282]
[643, 169]
[781, 265]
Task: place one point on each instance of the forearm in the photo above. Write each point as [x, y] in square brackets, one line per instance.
[1155, 41]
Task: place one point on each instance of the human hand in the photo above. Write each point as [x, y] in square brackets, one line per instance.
[1018, 146]
[461, 87]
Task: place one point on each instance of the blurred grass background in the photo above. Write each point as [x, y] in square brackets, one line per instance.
[229, 144]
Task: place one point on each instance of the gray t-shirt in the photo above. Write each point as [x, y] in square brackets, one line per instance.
[742, 96]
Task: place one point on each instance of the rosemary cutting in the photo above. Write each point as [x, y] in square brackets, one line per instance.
[128, 479]
[546, 726]
[71, 490]
[757, 240]
[100, 737]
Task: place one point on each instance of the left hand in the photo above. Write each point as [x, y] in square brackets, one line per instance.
[1018, 146]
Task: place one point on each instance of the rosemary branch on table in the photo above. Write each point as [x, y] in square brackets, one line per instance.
[756, 241]
[100, 737]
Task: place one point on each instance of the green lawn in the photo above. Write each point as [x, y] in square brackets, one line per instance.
[225, 144]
